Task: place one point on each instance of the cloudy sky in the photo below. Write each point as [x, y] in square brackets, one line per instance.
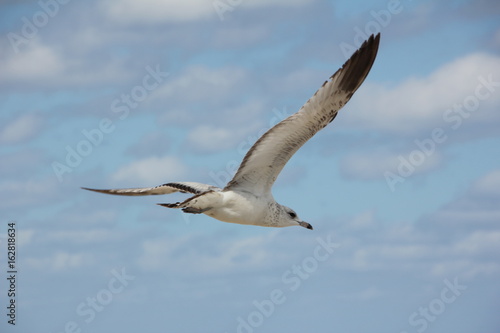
[403, 188]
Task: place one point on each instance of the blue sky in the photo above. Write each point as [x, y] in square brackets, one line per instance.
[402, 188]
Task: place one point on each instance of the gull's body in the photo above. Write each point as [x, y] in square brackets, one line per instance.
[247, 198]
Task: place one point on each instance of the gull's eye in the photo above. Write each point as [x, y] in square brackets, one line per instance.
[292, 215]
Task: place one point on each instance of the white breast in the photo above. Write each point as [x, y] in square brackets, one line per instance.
[240, 207]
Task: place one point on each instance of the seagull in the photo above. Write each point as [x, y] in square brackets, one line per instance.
[247, 198]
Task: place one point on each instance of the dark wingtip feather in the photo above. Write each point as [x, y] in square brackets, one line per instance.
[355, 70]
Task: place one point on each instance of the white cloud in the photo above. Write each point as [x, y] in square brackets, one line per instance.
[419, 103]
[90, 213]
[20, 129]
[437, 246]
[154, 252]
[25, 237]
[469, 256]
[362, 222]
[372, 165]
[210, 138]
[488, 185]
[480, 242]
[37, 62]
[201, 84]
[46, 66]
[461, 214]
[155, 11]
[221, 257]
[26, 193]
[268, 3]
[82, 236]
[299, 80]
[152, 170]
[235, 128]
[60, 261]
[161, 11]
[430, 254]
[477, 209]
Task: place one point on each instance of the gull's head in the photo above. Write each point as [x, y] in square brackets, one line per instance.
[292, 218]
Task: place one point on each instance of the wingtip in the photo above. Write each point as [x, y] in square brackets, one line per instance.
[96, 190]
[375, 38]
[89, 189]
[372, 43]
[354, 71]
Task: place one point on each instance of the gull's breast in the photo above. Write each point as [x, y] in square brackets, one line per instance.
[240, 208]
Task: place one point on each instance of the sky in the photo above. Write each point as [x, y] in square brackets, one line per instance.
[402, 189]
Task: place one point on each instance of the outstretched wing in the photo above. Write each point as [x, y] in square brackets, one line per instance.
[184, 187]
[267, 157]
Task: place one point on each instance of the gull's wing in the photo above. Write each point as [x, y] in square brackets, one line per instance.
[267, 157]
[184, 187]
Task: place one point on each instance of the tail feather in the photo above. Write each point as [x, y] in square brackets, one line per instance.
[196, 204]
[170, 205]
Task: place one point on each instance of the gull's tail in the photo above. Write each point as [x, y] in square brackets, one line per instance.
[198, 203]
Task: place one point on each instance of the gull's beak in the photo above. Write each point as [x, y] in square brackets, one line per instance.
[305, 225]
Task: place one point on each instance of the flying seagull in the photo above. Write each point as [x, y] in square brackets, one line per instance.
[247, 198]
